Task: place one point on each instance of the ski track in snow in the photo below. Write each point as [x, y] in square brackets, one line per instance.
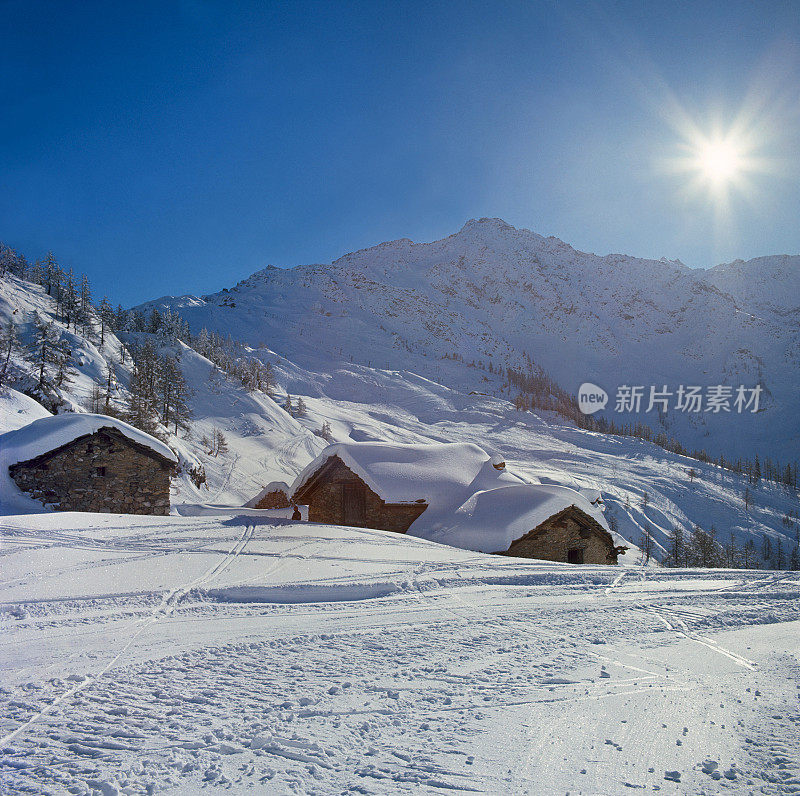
[475, 673]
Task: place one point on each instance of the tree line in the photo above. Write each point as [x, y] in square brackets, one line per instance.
[701, 548]
[536, 390]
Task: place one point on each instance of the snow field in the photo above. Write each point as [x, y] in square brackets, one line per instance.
[287, 657]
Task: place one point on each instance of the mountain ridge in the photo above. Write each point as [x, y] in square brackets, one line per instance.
[497, 294]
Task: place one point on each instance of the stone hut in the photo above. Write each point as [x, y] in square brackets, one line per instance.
[458, 495]
[571, 535]
[546, 522]
[274, 495]
[336, 494]
[80, 462]
[393, 487]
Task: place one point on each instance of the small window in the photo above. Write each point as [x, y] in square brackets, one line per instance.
[575, 556]
[100, 471]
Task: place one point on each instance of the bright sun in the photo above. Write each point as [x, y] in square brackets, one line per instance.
[719, 161]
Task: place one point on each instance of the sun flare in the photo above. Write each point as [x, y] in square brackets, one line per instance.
[719, 161]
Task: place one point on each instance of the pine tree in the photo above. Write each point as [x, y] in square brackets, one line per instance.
[143, 402]
[268, 379]
[749, 559]
[10, 345]
[64, 362]
[301, 407]
[175, 394]
[46, 354]
[154, 321]
[325, 432]
[50, 273]
[95, 401]
[646, 543]
[84, 311]
[732, 555]
[107, 319]
[780, 560]
[110, 384]
[705, 550]
[287, 404]
[120, 318]
[69, 301]
[219, 443]
[676, 549]
[11, 262]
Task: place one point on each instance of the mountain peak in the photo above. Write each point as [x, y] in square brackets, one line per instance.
[483, 224]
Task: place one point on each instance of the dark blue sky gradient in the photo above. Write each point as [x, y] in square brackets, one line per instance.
[178, 147]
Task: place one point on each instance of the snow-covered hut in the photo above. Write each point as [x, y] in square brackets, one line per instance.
[553, 523]
[86, 462]
[390, 486]
[275, 495]
[456, 494]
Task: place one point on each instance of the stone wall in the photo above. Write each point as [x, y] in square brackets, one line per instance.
[274, 500]
[552, 541]
[101, 472]
[325, 502]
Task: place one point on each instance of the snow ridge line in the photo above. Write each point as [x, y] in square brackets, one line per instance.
[166, 607]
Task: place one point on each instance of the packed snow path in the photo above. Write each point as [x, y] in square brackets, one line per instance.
[143, 654]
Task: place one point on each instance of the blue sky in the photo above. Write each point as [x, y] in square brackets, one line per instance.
[178, 147]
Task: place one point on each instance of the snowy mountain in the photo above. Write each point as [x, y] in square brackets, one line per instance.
[495, 294]
[645, 488]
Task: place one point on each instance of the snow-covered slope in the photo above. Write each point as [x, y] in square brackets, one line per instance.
[643, 486]
[264, 443]
[179, 656]
[493, 293]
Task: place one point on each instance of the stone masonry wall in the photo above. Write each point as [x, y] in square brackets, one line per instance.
[274, 500]
[326, 503]
[553, 541]
[99, 473]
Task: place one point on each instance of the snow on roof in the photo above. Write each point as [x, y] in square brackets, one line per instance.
[272, 486]
[444, 475]
[490, 520]
[48, 433]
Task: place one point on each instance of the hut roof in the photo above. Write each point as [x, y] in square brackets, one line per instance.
[50, 433]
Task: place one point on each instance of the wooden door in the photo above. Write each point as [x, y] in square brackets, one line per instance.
[353, 505]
